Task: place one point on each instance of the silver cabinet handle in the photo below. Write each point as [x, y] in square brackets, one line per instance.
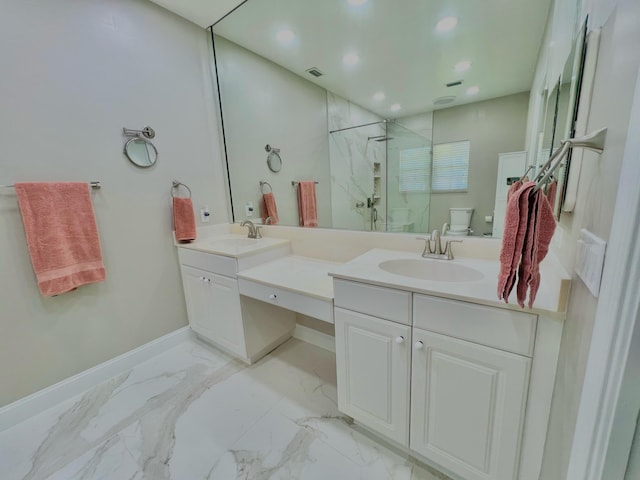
[418, 345]
[400, 339]
[273, 296]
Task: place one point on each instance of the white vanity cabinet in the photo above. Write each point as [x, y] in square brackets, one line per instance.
[447, 379]
[213, 306]
[374, 362]
[241, 326]
[467, 406]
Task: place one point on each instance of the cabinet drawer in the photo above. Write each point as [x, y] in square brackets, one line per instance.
[376, 301]
[494, 327]
[313, 307]
[208, 261]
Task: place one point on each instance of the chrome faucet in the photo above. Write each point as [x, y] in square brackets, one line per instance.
[254, 232]
[433, 246]
[269, 220]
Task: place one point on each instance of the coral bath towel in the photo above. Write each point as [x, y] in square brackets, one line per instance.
[269, 208]
[62, 236]
[307, 204]
[184, 219]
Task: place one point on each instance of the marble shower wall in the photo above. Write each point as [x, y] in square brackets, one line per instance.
[354, 161]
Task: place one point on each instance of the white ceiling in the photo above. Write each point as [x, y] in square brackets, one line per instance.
[201, 12]
[400, 52]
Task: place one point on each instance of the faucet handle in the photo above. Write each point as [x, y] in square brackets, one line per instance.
[447, 248]
[427, 245]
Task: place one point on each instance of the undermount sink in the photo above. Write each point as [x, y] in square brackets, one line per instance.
[236, 242]
[433, 270]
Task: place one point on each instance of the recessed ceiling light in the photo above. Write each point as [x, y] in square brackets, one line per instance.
[395, 107]
[285, 36]
[472, 90]
[462, 66]
[379, 96]
[350, 59]
[447, 23]
[356, 3]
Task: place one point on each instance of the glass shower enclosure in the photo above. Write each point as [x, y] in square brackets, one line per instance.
[380, 178]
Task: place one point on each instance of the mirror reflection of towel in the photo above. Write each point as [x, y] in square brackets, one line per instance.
[307, 204]
[269, 208]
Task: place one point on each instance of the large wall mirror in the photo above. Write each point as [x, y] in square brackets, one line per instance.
[400, 111]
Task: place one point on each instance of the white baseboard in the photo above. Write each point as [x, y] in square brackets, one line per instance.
[68, 388]
[314, 337]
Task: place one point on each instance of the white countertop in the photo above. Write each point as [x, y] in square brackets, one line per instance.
[551, 298]
[308, 276]
[233, 245]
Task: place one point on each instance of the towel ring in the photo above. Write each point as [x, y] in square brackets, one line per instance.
[176, 185]
[262, 185]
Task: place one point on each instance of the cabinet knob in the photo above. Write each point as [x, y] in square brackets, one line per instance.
[400, 339]
[207, 280]
[203, 279]
[418, 345]
[273, 296]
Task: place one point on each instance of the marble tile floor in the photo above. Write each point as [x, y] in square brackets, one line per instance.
[193, 413]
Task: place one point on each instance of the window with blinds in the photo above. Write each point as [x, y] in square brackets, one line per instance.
[414, 169]
[450, 167]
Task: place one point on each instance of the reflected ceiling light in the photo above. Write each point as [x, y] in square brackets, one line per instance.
[472, 90]
[285, 36]
[462, 66]
[395, 107]
[379, 96]
[356, 3]
[350, 59]
[447, 23]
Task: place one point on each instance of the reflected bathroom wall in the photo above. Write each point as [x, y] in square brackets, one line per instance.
[409, 162]
[356, 164]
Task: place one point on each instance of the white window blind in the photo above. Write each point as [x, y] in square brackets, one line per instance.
[450, 167]
[414, 169]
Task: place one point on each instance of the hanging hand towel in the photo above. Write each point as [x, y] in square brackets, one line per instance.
[515, 227]
[62, 236]
[307, 204]
[184, 220]
[269, 208]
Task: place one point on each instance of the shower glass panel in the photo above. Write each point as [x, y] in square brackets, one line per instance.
[408, 184]
[358, 168]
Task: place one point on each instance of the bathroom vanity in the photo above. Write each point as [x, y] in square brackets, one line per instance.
[442, 370]
[241, 326]
[427, 357]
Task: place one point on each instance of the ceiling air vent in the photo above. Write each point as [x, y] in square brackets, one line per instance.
[454, 84]
[315, 72]
[444, 100]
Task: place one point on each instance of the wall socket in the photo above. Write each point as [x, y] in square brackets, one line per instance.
[204, 214]
[248, 209]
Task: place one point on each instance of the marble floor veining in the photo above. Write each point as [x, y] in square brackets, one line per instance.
[193, 413]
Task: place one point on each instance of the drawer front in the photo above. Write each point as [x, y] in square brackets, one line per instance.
[494, 327]
[208, 261]
[313, 307]
[381, 302]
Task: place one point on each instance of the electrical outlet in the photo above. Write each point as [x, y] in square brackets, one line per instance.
[248, 209]
[204, 214]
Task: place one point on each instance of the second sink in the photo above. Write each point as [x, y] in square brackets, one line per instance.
[433, 270]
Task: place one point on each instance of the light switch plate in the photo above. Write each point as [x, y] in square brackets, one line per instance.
[590, 260]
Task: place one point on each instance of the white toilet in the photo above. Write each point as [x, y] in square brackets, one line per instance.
[400, 220]
[460, 221]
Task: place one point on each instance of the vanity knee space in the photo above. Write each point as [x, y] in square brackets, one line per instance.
[447, 380]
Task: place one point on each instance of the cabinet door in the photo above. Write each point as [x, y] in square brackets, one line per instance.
[467, 406]
[373, 361]
[213, 305]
